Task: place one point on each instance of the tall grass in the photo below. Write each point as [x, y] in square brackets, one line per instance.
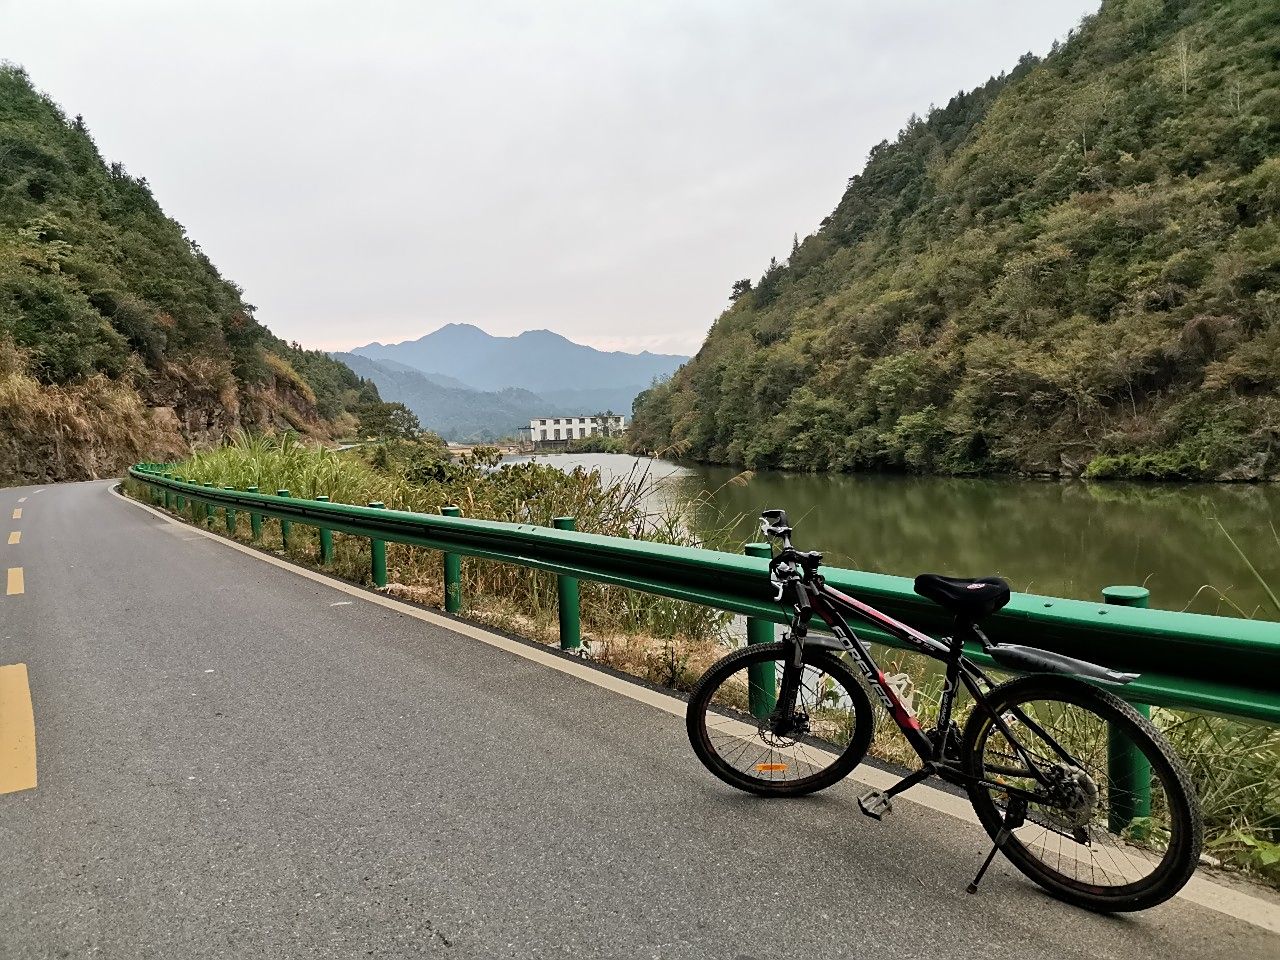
[408, 476]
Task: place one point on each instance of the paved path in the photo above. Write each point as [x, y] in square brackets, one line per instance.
[236, 761]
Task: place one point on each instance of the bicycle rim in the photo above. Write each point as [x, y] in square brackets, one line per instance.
[734, 722]
[1114, 827]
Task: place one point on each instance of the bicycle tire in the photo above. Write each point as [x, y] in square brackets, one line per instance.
[1186, 827]
[701, 706]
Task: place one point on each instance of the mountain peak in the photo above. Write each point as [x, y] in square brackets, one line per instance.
[538, 360]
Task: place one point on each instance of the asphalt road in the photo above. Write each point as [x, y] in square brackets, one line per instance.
[236, 761]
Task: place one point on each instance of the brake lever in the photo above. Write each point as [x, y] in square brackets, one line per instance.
[776, 565]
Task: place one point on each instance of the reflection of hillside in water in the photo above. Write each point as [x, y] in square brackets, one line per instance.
[1068, 539]
[652, 475]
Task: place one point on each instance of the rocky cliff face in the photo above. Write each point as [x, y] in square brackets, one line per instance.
[98, 427]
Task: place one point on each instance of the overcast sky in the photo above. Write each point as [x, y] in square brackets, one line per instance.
[373, 170]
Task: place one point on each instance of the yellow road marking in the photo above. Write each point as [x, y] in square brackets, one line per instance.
[15, 585]
[15, 536]
[17, 513]
[17, 730]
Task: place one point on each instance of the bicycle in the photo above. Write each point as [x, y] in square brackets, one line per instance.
[792, 717]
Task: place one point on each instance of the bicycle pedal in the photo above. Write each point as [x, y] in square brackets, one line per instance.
[875, 805]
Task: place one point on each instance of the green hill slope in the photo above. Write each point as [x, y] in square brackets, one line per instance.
[118, 338]
[1075, 267]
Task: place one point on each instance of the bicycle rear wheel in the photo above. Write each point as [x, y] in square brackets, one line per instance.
[732, 713]
[1093, 836]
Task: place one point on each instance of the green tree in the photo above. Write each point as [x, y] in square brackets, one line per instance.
[389, 421]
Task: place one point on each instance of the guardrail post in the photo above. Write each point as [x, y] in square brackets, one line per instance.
[326, 538]
[230, 516]
[378, 553]
[168, 502]
[1127, 768]
[568, 603]
[255, 519]
[179, 498]
[285, 525]
[452, 571]
[210, 510]
[761, 677]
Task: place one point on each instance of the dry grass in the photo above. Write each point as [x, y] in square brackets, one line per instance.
[81, 431]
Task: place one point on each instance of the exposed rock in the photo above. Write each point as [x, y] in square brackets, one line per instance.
[1251, 469]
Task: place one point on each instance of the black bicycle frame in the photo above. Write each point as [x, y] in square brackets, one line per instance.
[832, 605]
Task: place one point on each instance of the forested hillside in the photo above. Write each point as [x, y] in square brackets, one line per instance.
[118, 338]
[1074, 268]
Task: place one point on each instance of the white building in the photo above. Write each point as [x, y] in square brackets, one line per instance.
[575, 428]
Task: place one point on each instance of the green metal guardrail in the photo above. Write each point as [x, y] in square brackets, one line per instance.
[1193, 661]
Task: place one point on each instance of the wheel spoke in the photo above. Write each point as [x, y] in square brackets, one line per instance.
[1066, 829]
[775, 750]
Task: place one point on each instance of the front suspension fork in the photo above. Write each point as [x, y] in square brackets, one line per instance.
[793, 669]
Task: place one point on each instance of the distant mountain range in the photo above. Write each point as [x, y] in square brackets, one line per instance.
[468, 385]
[456, 413]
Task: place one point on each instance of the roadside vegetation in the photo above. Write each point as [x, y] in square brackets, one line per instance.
[1235, 765]
[665, 641]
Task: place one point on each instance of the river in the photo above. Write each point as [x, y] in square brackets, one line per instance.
[1062, 538]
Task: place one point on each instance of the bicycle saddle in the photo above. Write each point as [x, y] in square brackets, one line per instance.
[974, 598]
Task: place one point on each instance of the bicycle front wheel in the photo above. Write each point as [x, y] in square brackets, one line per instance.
[734, 726]
[1086, 798]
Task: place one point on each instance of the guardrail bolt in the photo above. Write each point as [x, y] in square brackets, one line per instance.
[762, 690]
[230, 516]
[255, 519]
[285, 525]
[452, 571]
[568, 602]
[378, 553]
[1128, 769]
[326, 538]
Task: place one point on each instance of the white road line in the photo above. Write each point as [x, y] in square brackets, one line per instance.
[1201, 891]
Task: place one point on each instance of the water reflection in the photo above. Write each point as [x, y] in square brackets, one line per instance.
[1068, 539]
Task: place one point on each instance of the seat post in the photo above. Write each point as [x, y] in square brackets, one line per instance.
[961, 628]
